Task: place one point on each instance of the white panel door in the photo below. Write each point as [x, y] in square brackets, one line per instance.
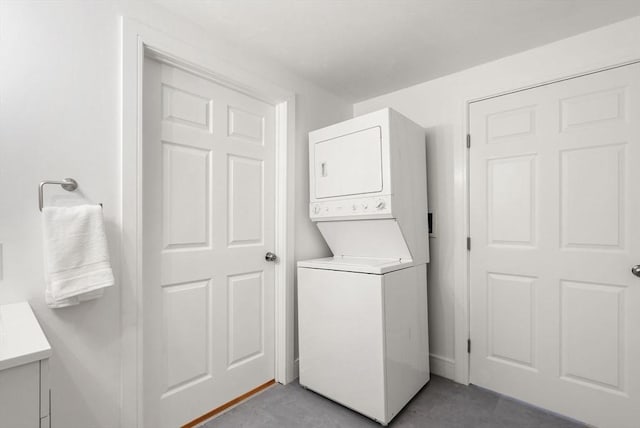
[555, 229]
[208, 219]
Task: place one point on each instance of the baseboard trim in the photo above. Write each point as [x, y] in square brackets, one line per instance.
[228, 404]
[442, 366]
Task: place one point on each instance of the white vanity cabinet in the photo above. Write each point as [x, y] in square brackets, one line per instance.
[24, 369]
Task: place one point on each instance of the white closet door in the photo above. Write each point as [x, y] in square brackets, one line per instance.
[208, 219]
[555, 229]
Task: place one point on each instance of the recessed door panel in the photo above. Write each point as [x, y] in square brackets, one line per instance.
[185, 211]
[507, 125]
[593, 345]
[245, 200]
[186, 323]
[592, 197]
[349, 165]
[592, 108]
[180, 106]
[246, 326]
[245, 126]
[511, 303]
[511, 200]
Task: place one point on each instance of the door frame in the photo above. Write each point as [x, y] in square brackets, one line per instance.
[462, 312]
[139, 41]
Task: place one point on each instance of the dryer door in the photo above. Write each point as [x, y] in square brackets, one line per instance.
[349, 165]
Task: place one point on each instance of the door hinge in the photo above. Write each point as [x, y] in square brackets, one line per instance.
[468, 141]
[468, 346]
[468, 243]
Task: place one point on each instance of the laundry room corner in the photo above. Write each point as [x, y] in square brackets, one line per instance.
[441, 106]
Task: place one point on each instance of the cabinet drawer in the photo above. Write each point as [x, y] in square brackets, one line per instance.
[20, 396]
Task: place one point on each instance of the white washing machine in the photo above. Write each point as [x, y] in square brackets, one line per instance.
[362, 314]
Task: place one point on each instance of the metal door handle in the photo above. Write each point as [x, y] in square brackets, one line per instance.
[270, 257]
[636, 270]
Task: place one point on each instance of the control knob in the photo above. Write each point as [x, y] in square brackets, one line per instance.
[316, 209]
[380, 205]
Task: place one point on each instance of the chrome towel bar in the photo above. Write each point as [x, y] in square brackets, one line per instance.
[68, 184]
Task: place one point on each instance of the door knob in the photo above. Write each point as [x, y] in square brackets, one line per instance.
[270, 257]
[636, 270]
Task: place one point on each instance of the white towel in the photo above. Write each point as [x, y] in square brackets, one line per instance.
[77, 264]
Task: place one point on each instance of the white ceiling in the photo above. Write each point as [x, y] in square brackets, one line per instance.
[362, 48]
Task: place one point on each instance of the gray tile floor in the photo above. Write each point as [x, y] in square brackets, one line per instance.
[441, 404]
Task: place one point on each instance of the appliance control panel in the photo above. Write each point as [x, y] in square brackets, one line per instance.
[371, 207]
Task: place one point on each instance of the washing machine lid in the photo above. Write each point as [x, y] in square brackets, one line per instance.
[356, 264]
[365, 239]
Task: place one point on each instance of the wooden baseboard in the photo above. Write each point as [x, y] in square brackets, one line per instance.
[225, 406]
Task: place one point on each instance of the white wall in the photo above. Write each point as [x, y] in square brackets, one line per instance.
[60, 116]
[440, 106]
[309, 242]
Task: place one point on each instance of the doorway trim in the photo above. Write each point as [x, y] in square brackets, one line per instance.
[462, 313]
[139, 41]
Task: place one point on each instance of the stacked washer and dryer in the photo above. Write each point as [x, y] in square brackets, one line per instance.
[362, 314]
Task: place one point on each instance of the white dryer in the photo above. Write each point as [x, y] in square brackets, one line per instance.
[362, 314]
